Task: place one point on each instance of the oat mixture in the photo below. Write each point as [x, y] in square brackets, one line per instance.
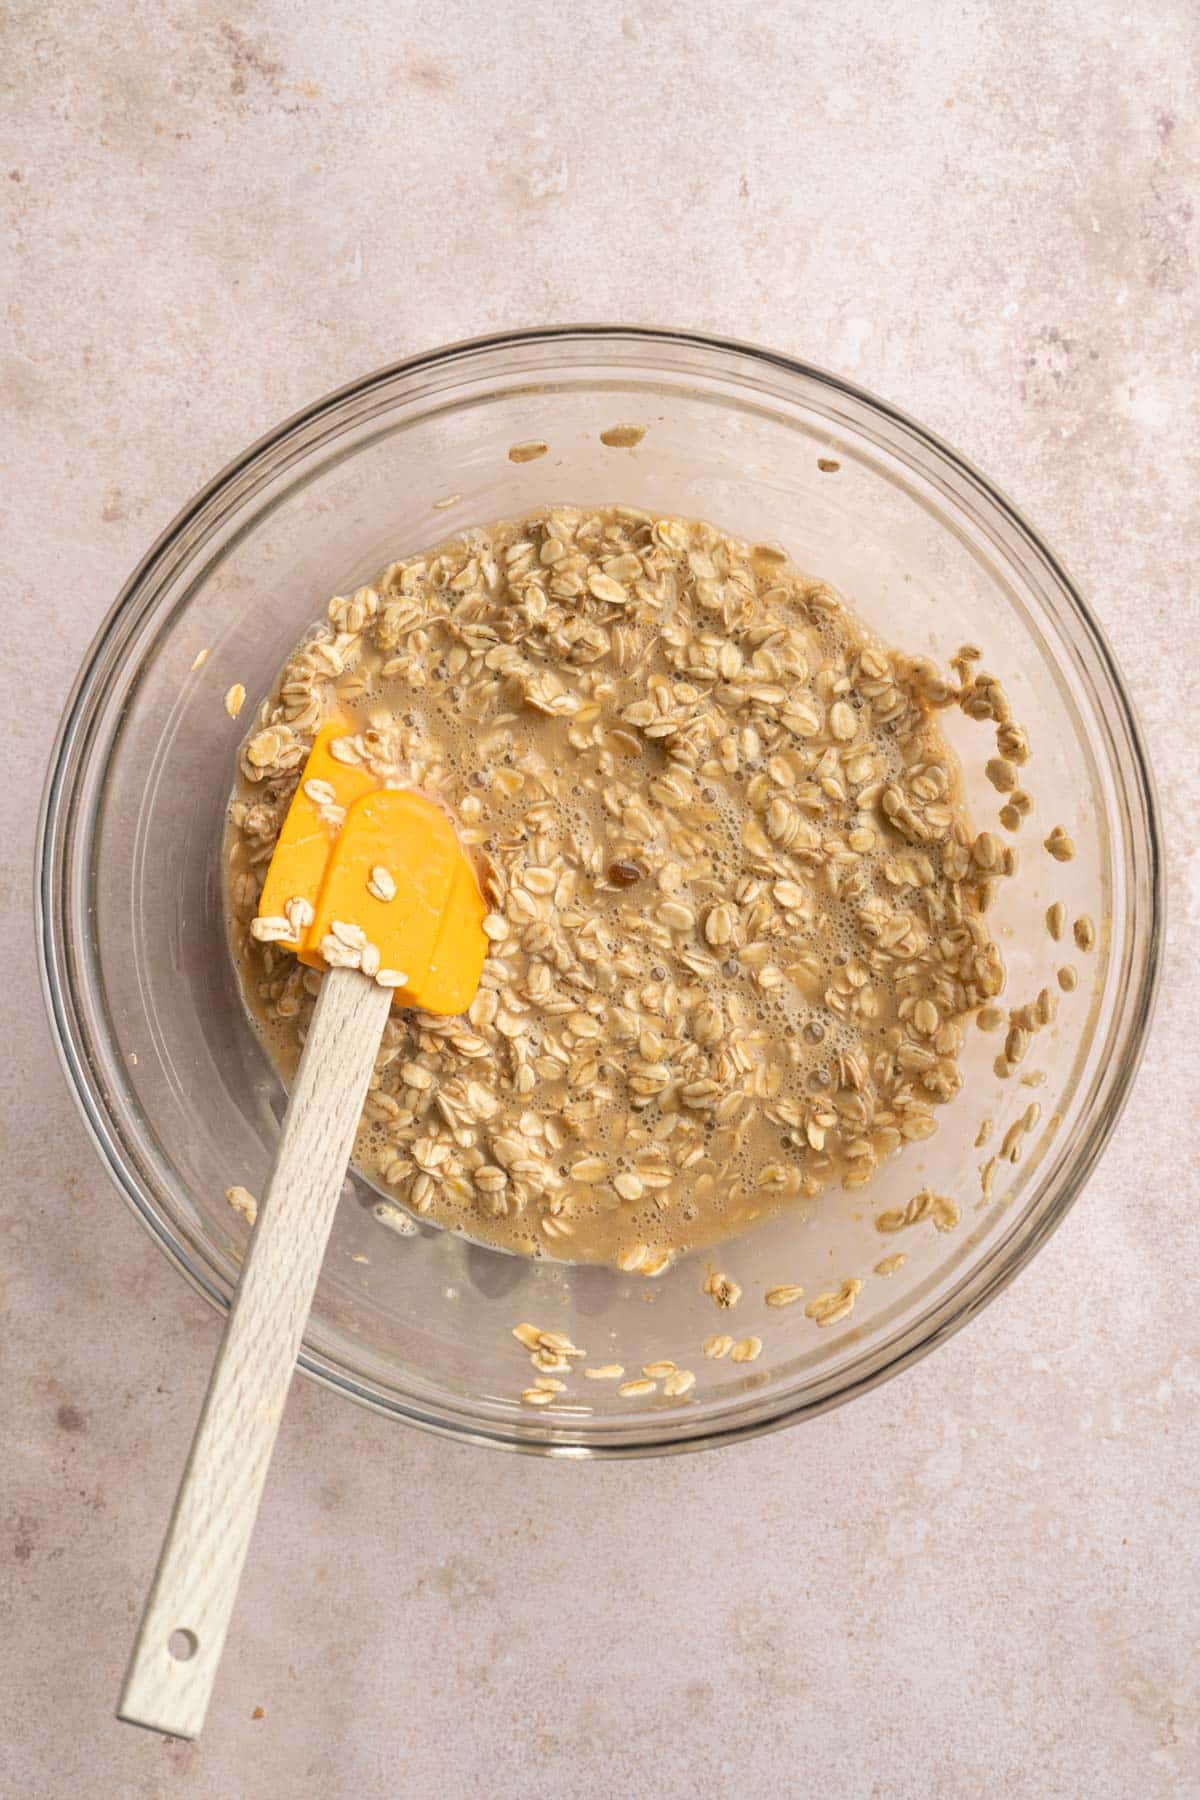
[738, 917]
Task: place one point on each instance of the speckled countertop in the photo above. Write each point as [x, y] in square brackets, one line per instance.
[975, 1581]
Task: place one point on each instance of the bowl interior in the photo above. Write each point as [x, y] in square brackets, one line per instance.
[176, 1084]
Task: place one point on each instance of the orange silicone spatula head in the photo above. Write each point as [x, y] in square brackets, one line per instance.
[374, 878]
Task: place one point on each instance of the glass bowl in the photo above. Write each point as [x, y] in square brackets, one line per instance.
[173, 1083]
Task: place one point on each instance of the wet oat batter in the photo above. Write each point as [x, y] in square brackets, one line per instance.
[737, 917]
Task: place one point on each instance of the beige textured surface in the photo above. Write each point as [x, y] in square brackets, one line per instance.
[973, 1582]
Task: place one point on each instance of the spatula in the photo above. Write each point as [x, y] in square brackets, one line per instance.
[371, 884]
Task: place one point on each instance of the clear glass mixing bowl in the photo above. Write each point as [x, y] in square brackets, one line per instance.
[174, 1085]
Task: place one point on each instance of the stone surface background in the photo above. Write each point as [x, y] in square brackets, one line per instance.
[980, 1580]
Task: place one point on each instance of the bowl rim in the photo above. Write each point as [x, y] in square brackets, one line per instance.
[918, 1337]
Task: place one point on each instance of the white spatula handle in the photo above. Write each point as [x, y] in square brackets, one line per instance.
[183, 1627]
